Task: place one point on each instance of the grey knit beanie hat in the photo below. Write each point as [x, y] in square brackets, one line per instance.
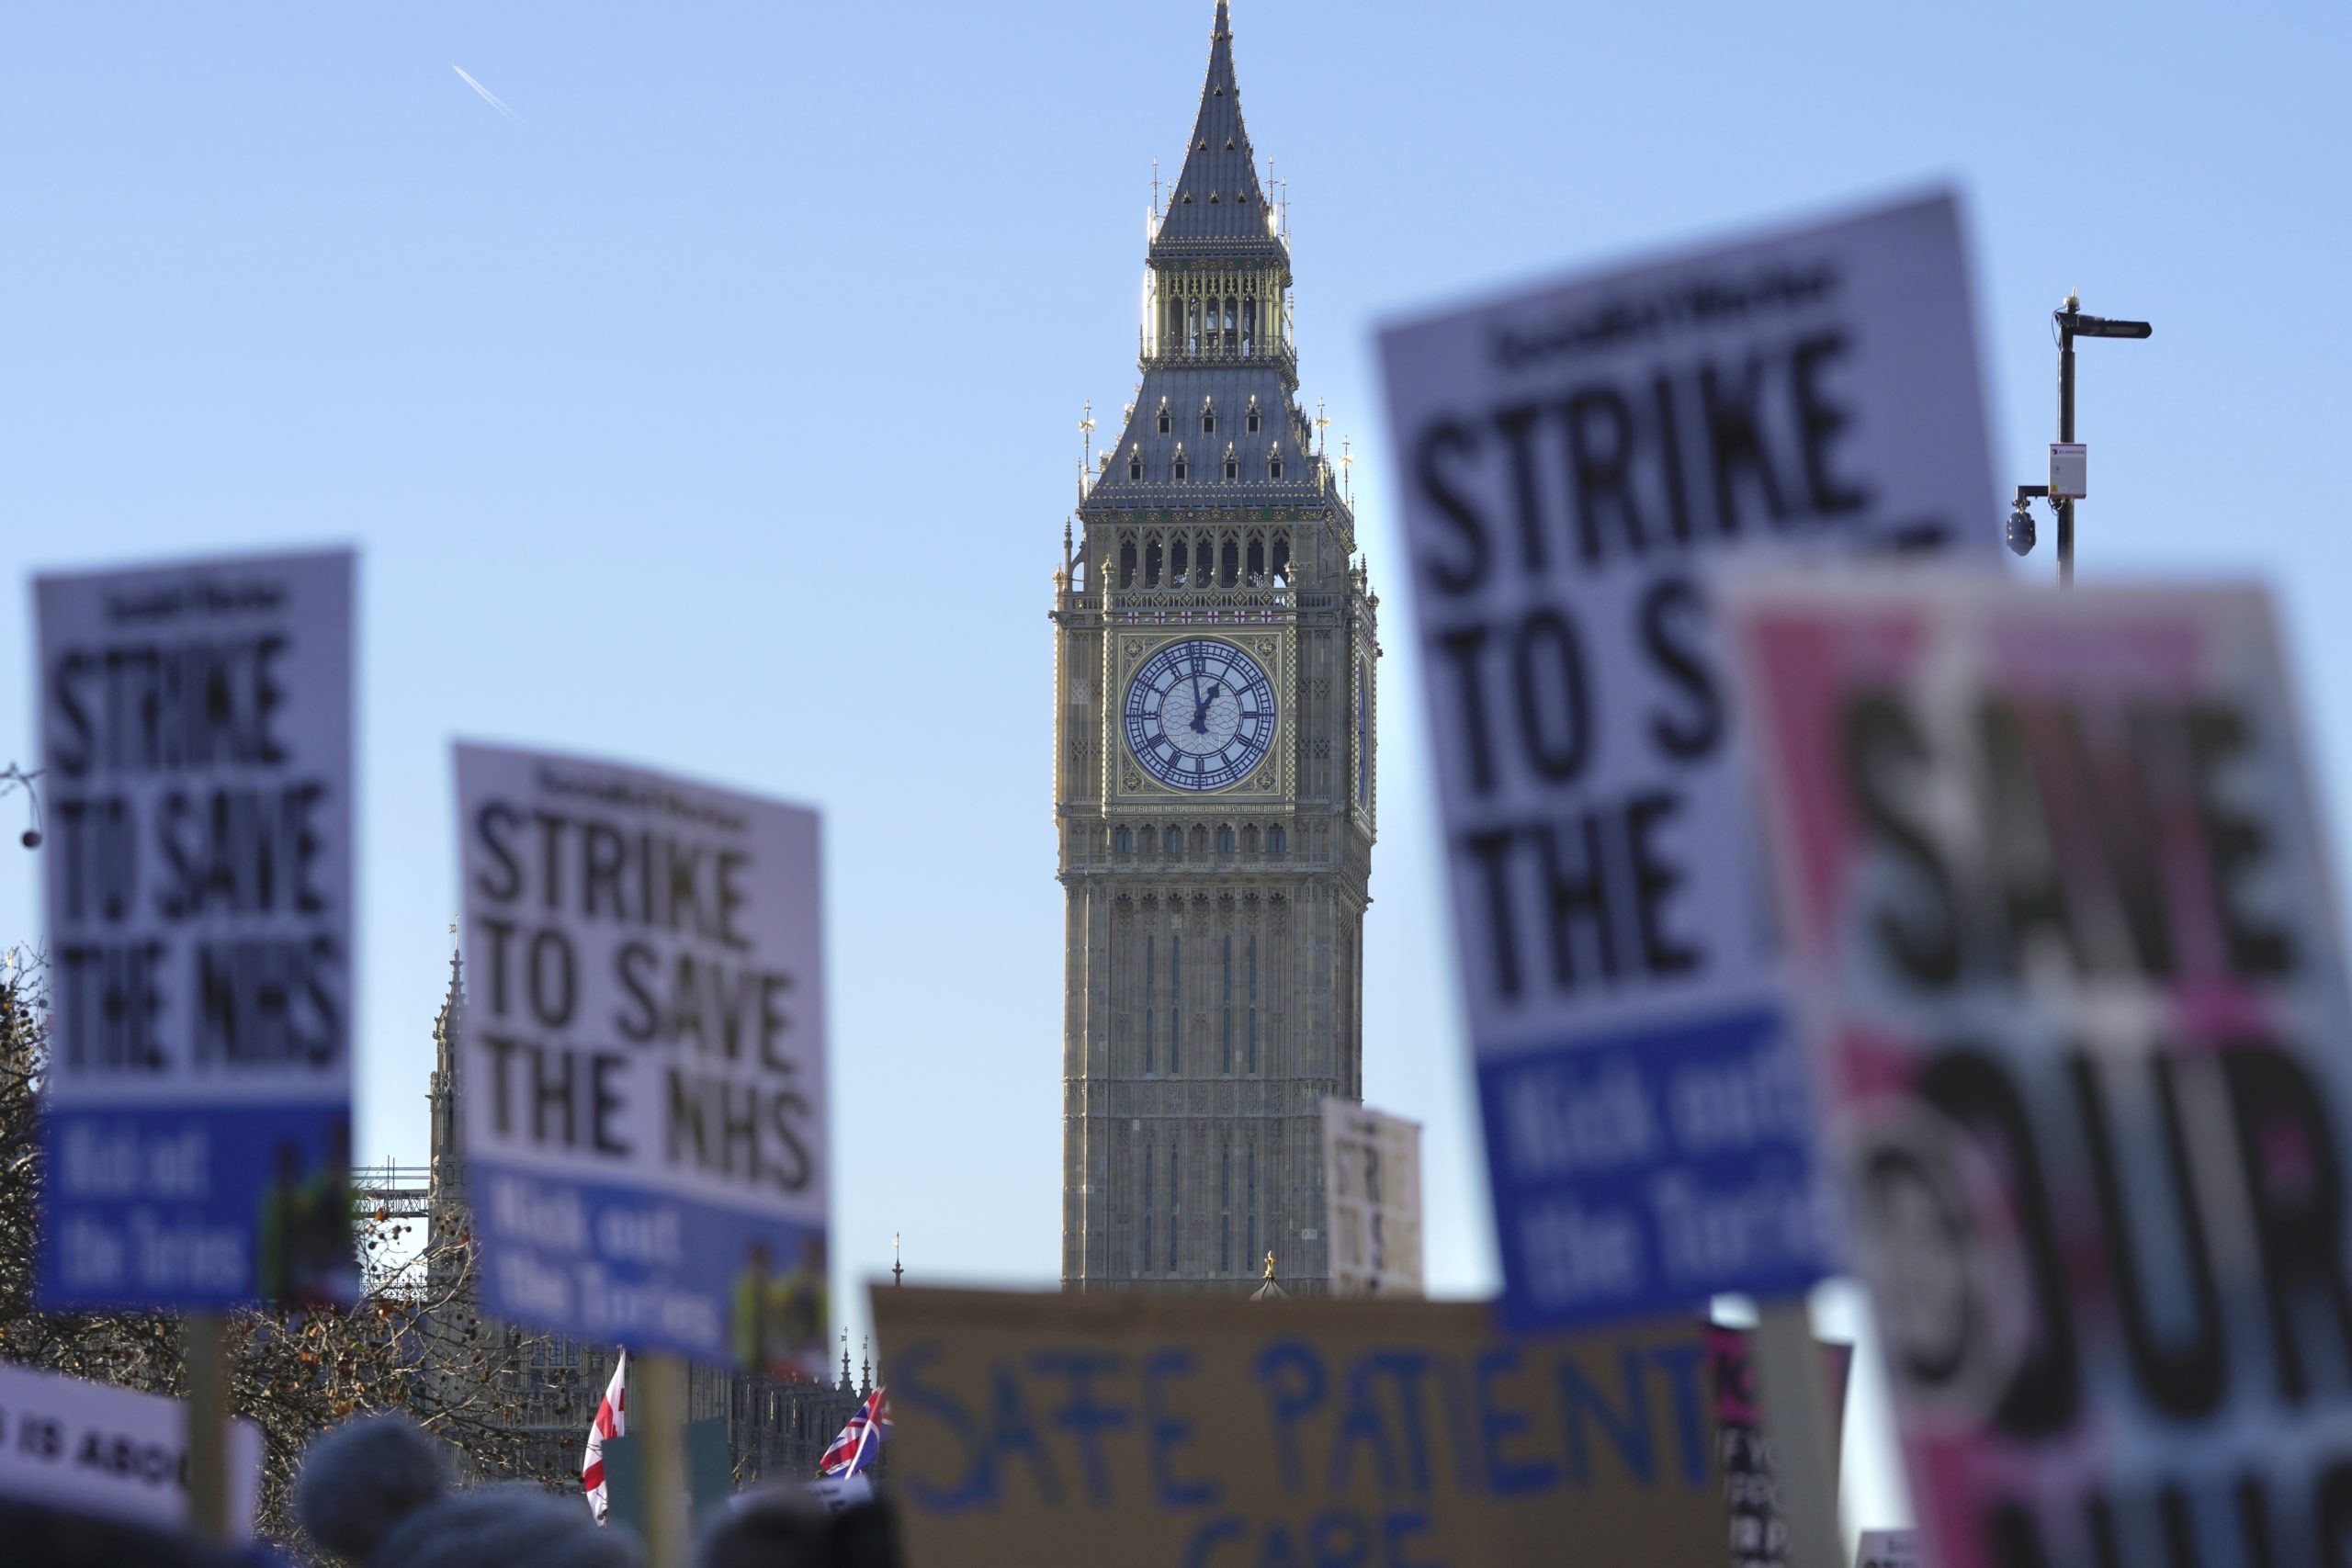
[376, 1493]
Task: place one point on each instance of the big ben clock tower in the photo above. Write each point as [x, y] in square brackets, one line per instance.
[1214, 772]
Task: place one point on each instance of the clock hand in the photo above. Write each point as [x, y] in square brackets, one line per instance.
[1200, 709]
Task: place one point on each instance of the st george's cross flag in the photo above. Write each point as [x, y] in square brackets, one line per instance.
[611, 1422]
[861, 1440]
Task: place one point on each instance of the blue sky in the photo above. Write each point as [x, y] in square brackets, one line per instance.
[719, 410]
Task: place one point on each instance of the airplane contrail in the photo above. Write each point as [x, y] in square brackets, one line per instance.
[493, 99]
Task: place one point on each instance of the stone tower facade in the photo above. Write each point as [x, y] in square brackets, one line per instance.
[1214, 778]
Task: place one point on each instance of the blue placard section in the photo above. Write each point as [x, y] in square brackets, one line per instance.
[147, 1206]
[653, 1273]
[1642, 1173]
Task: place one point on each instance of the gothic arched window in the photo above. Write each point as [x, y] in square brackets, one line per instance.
[1123, 843]
[1135, 464]
[1182, 471]
[1165, 419]
[1250, 840]
[1276, 839]
[1208, 416]
[1225, 839]
[1250, 420]
[1274, 461]
[1174, 842]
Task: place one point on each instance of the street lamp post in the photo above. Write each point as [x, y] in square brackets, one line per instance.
[2071, 324]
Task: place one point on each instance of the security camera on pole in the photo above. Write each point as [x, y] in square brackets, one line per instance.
[2069, 459]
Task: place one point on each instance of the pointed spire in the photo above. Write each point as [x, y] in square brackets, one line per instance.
[1217, 205]
[453, 1007]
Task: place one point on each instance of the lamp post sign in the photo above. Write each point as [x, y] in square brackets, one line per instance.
[1573, 458]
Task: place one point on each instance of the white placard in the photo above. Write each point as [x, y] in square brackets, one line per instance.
[196, 730]
[1572, 458]
[89, 1447]
[644, 1058]
[842, 1492]
[1372, 1190]
[1888, 1549]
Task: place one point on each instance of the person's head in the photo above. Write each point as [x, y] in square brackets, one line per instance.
[376, 1493]
[786, 1527]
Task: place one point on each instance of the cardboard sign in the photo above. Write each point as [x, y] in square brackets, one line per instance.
[1216, 1432]
[1888, 1549]
[89, 1447]
[644, 1058]
[196, 739]
[1571, 457]
[1371, 1188]
[2052, 872]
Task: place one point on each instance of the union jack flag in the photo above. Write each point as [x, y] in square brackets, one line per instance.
[867, 1431]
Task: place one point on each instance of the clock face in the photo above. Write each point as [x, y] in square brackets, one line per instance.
[1200, 714]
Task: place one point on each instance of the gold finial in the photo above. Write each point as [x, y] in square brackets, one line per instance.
[1270, 1265]
[1321, 425]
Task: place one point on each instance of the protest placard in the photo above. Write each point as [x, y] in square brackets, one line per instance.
[2051, 876]
[644, 1058]
[1372, 1195]
[837, 1492]
[89, 1447]
[1216, 1432]
[1751, 1480]
[1572, 458]
[196, 739]
[1888, 1549]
